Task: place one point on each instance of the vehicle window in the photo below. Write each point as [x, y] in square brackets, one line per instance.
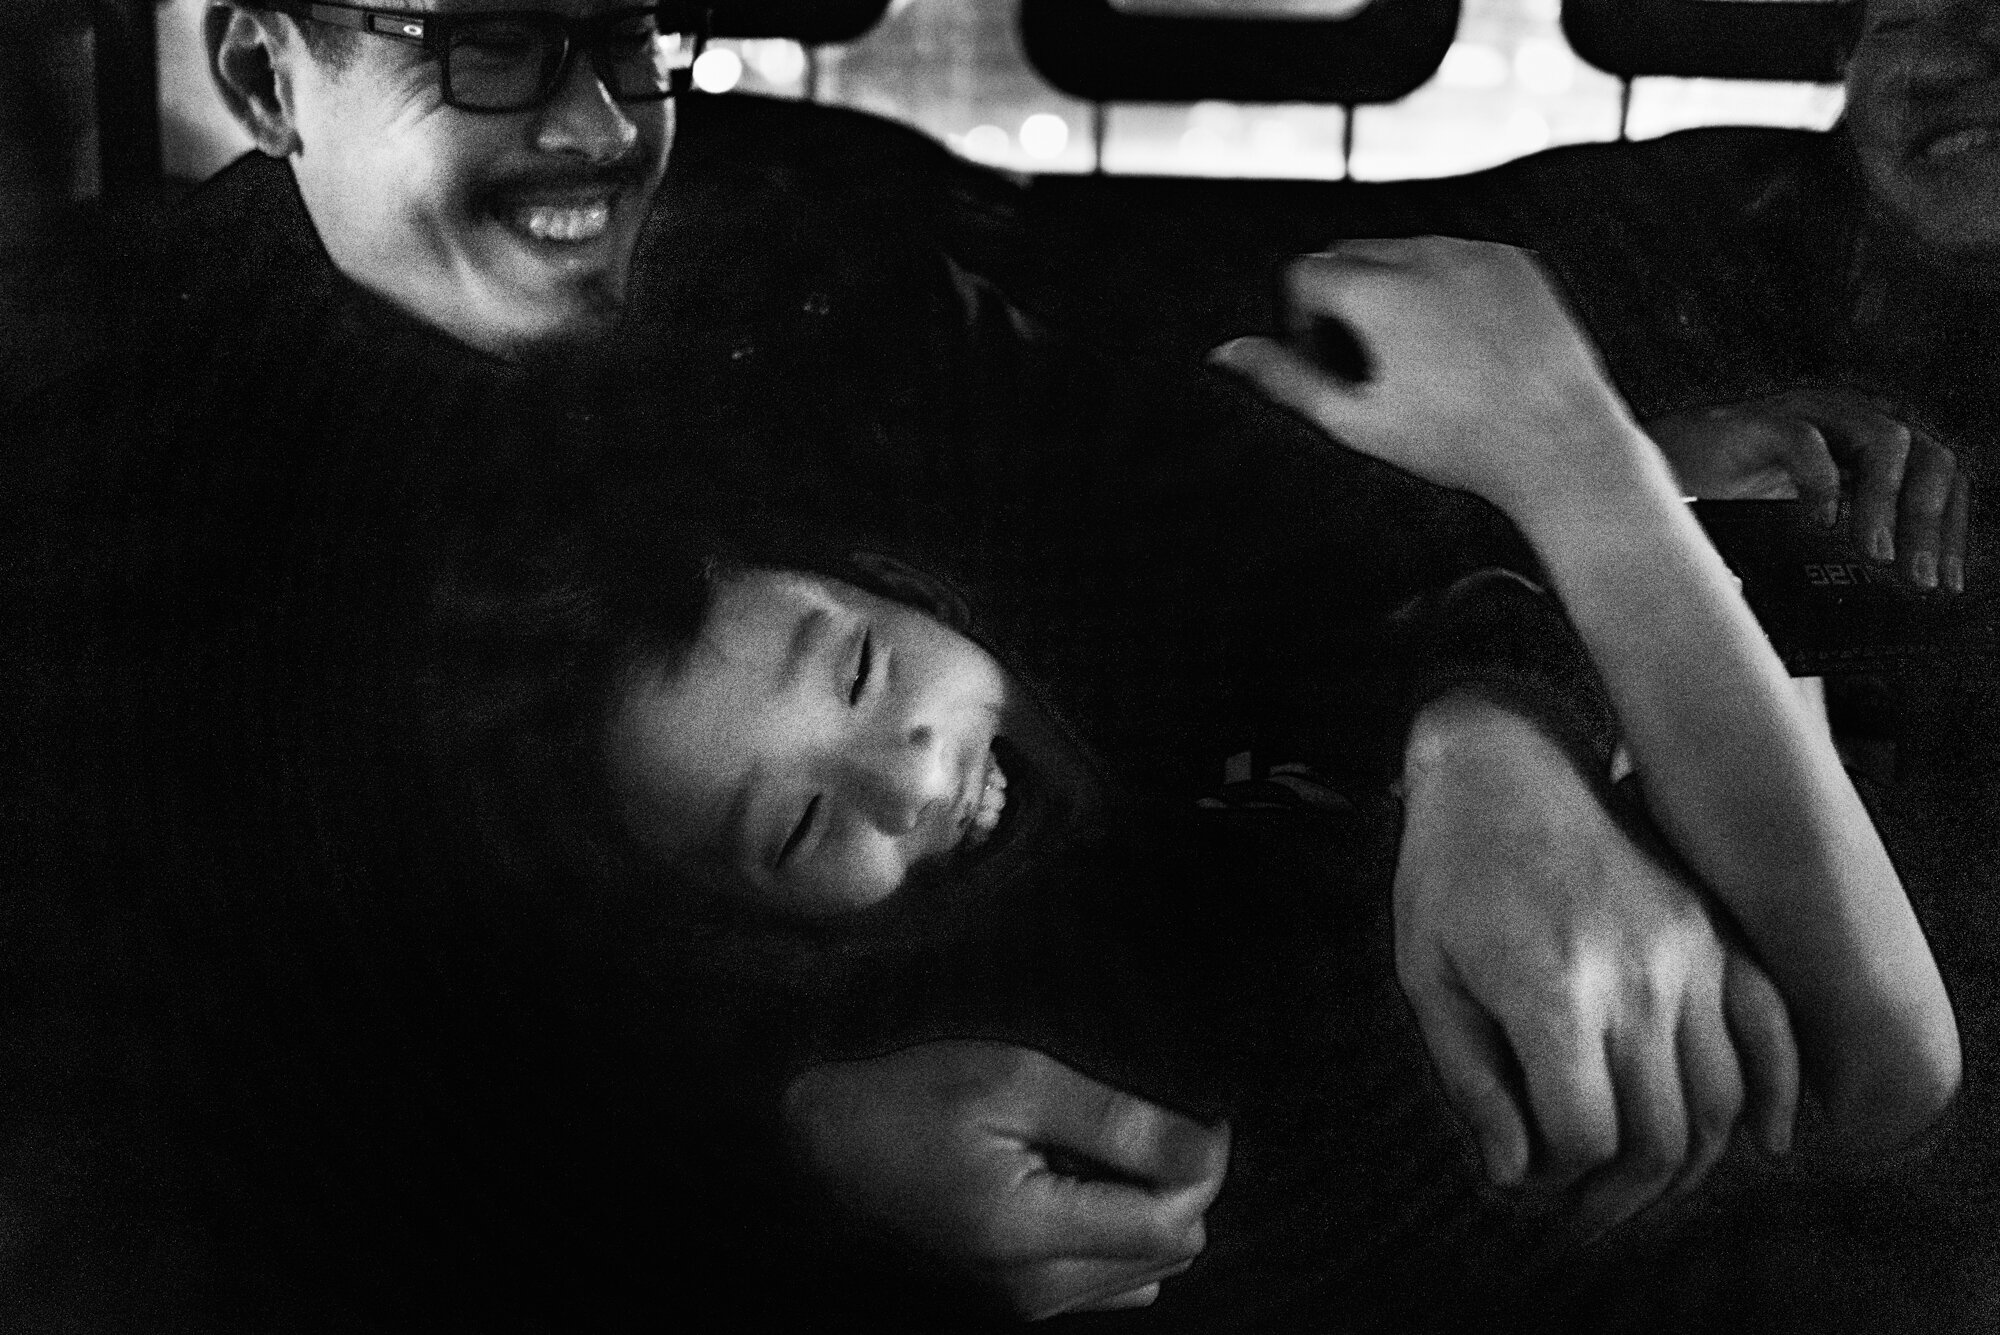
[772, 66]
[1509, 85]
[955, 68]
[1661, 106]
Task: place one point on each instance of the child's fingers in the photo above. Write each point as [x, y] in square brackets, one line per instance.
[1713, 1078]
[1652, 1123]
[1570, 1094]
[1291, 380]
[1762, 1031]
[1143, 1296]
[1472, 1061]
[1077, 1284]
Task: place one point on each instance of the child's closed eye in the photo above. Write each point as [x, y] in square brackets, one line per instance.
[863, 666]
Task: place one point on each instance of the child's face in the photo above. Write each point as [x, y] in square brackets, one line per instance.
[821, 741]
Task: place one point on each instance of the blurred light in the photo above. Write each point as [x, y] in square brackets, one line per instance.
[1545, 67]
[1528, 130]
[987, 141]
[1274, 138]
[778, 60]
[1215, 117]
[1044, 135]
[1661, 106]
[1201, 142]
[1545, 10]
[1472, 65]
[883, 102]
[717, 70]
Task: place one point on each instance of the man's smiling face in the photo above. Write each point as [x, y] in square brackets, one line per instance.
[506, 230]
[1923, 108]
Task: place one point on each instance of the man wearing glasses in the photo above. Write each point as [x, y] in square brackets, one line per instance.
[486, 171]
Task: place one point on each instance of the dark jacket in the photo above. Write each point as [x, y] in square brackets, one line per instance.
[322, 1001]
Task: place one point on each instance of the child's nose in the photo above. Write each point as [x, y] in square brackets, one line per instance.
[897, 777]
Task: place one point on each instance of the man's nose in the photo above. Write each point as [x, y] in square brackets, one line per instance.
[897, 777]
[584, 120]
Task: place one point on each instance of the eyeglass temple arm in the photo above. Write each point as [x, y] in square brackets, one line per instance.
[402, 27]
[410, 27]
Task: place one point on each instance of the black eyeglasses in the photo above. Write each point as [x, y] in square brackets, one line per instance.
[516, 59]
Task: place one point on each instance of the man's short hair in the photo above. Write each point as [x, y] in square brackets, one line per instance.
[331, 46]
[328, 44]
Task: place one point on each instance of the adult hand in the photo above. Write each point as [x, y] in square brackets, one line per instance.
[1582, 1011]
[1471, 373]
[1051, 1191]
[1910, 496]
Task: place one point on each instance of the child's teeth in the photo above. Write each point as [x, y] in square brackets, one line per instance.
[992, 801]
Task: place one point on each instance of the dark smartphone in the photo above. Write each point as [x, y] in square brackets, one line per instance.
[1830, 610]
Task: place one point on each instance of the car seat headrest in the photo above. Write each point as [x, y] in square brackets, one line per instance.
[1179, 51]
[1721, 39]
[809, 21]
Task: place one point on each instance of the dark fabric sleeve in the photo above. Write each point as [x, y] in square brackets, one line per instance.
[1496, 633]
[1252, 554]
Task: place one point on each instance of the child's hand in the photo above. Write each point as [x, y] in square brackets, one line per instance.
[1580, 1007]
[1052, 1192]
[1476, 378]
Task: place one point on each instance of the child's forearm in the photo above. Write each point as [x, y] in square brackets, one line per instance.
[1748, 790]
[1477, 379]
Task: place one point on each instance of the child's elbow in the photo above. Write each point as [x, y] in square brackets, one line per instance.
[1936, 1083]
[1898, 1098]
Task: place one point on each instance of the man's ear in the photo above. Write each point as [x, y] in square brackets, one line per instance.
[250, 57]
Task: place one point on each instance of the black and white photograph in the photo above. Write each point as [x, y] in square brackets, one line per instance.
[942, 667]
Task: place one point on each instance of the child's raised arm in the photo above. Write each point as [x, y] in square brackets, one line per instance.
[1477, 379]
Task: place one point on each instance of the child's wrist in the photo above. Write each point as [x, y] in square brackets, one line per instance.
[1612, 476]
[1464, 728]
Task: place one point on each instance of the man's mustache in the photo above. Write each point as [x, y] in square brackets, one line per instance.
[628, 174]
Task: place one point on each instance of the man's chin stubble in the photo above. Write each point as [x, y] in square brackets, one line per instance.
[599, 305]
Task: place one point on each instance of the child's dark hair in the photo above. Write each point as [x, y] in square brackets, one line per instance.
[534, 615]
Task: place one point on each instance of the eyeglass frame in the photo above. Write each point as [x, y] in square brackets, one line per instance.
[432, 32]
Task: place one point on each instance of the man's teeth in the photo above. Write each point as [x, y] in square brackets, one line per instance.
[992, 801]
[551, 222]
[1969, 140]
